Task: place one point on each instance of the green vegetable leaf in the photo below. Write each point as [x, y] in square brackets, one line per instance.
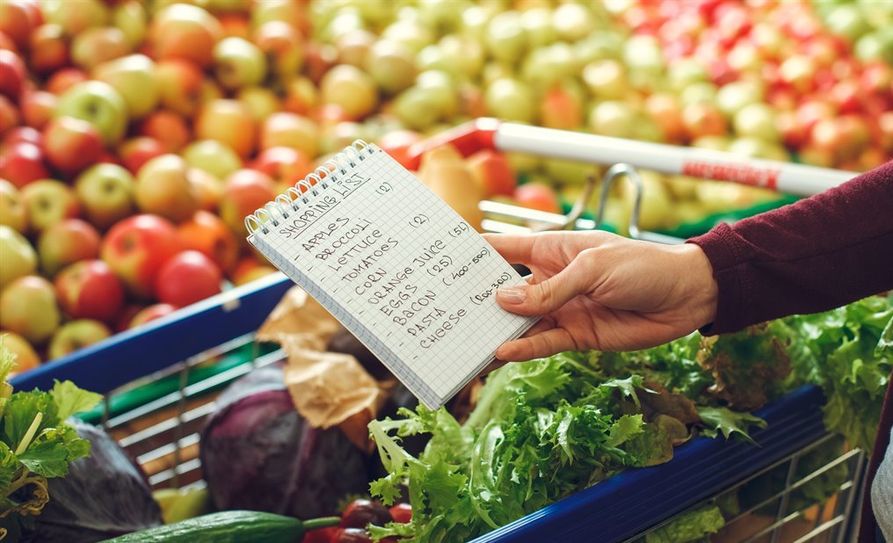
[21, 410]
[69, 399]
[629, 386]
[47, 457]
[624, 429]
[722, 420]
[690, 526]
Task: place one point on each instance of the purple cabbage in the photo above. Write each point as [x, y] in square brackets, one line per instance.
[104, 495]
[259, 454]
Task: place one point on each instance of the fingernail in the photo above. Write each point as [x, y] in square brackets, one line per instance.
[512, 295]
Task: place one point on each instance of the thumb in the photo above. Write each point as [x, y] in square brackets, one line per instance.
[547, 296]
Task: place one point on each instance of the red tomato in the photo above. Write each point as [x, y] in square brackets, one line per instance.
[402, 513]
[321, 535]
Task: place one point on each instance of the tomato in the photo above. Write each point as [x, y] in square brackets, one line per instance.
[321, 535]
[402, 513]
[361, 513]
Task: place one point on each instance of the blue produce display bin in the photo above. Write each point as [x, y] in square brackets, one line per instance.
[613, 510]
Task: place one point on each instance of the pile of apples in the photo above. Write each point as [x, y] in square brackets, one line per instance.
[136, 135]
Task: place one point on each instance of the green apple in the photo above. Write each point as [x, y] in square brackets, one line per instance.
[66, 242]
[733, 97]
[239, 63]
[351, 89]
[606, 80]
[49, 201]
[260, 101]
[12, 209]
[510, 100]
[573, 22]
[213, 157]
[613, 118]
[416, 108]
[163, 188]
[74, 16]
[17, 256]
[757, 121]
[538, 27]
[392, 65]
[130, 17]
[97, 45]
[99, 104]
[505, 37]
[28, 308]
[76, 335]
[443, 87]
[134, 78]
[106, 193]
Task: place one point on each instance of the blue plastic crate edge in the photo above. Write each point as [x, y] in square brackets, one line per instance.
[629, 503]
[159, 344]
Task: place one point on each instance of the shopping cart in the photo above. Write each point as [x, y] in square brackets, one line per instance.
[160, 380]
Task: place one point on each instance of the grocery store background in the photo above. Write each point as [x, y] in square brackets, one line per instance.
[136, 135]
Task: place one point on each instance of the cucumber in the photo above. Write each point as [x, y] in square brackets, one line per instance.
[229, 527]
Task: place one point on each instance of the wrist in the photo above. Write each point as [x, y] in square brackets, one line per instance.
[700, 286]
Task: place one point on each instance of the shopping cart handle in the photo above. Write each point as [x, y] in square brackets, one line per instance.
[467, 138]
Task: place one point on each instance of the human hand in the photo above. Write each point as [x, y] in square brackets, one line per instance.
[596, 290]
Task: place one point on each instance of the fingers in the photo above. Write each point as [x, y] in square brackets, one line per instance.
[539, 345]
[516, 248]
[548, 295]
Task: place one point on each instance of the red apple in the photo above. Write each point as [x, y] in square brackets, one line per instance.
[492, 172]
[72, 144]
[245, 192]
[151, 313]
[136, 248]
[538, 196]
[17, 20]
[137, 151]
[7, 43]
[9, 115]
[561, 109]
[48, 50]
[22, 134]
[167, 128]
[703, 119]
[187, 278]
[209, 235]
[64, 79]
[187, 32]
[284, 165]
[22, 164]
[123, 318]
[180, 85]
[66, 242]
[89, 290]
[12, 74]
[37, 108]
[666, 111]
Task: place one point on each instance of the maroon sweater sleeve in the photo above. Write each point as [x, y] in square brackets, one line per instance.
[816, 254]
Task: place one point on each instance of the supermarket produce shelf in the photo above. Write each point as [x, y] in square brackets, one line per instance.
[629, 503]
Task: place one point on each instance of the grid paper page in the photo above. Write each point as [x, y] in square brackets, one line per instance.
[402, 271]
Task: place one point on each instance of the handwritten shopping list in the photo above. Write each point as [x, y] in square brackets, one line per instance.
[405, 273]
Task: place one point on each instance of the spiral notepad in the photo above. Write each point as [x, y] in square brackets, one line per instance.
[395, 265]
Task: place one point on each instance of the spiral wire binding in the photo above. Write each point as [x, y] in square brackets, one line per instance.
[306, 188]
